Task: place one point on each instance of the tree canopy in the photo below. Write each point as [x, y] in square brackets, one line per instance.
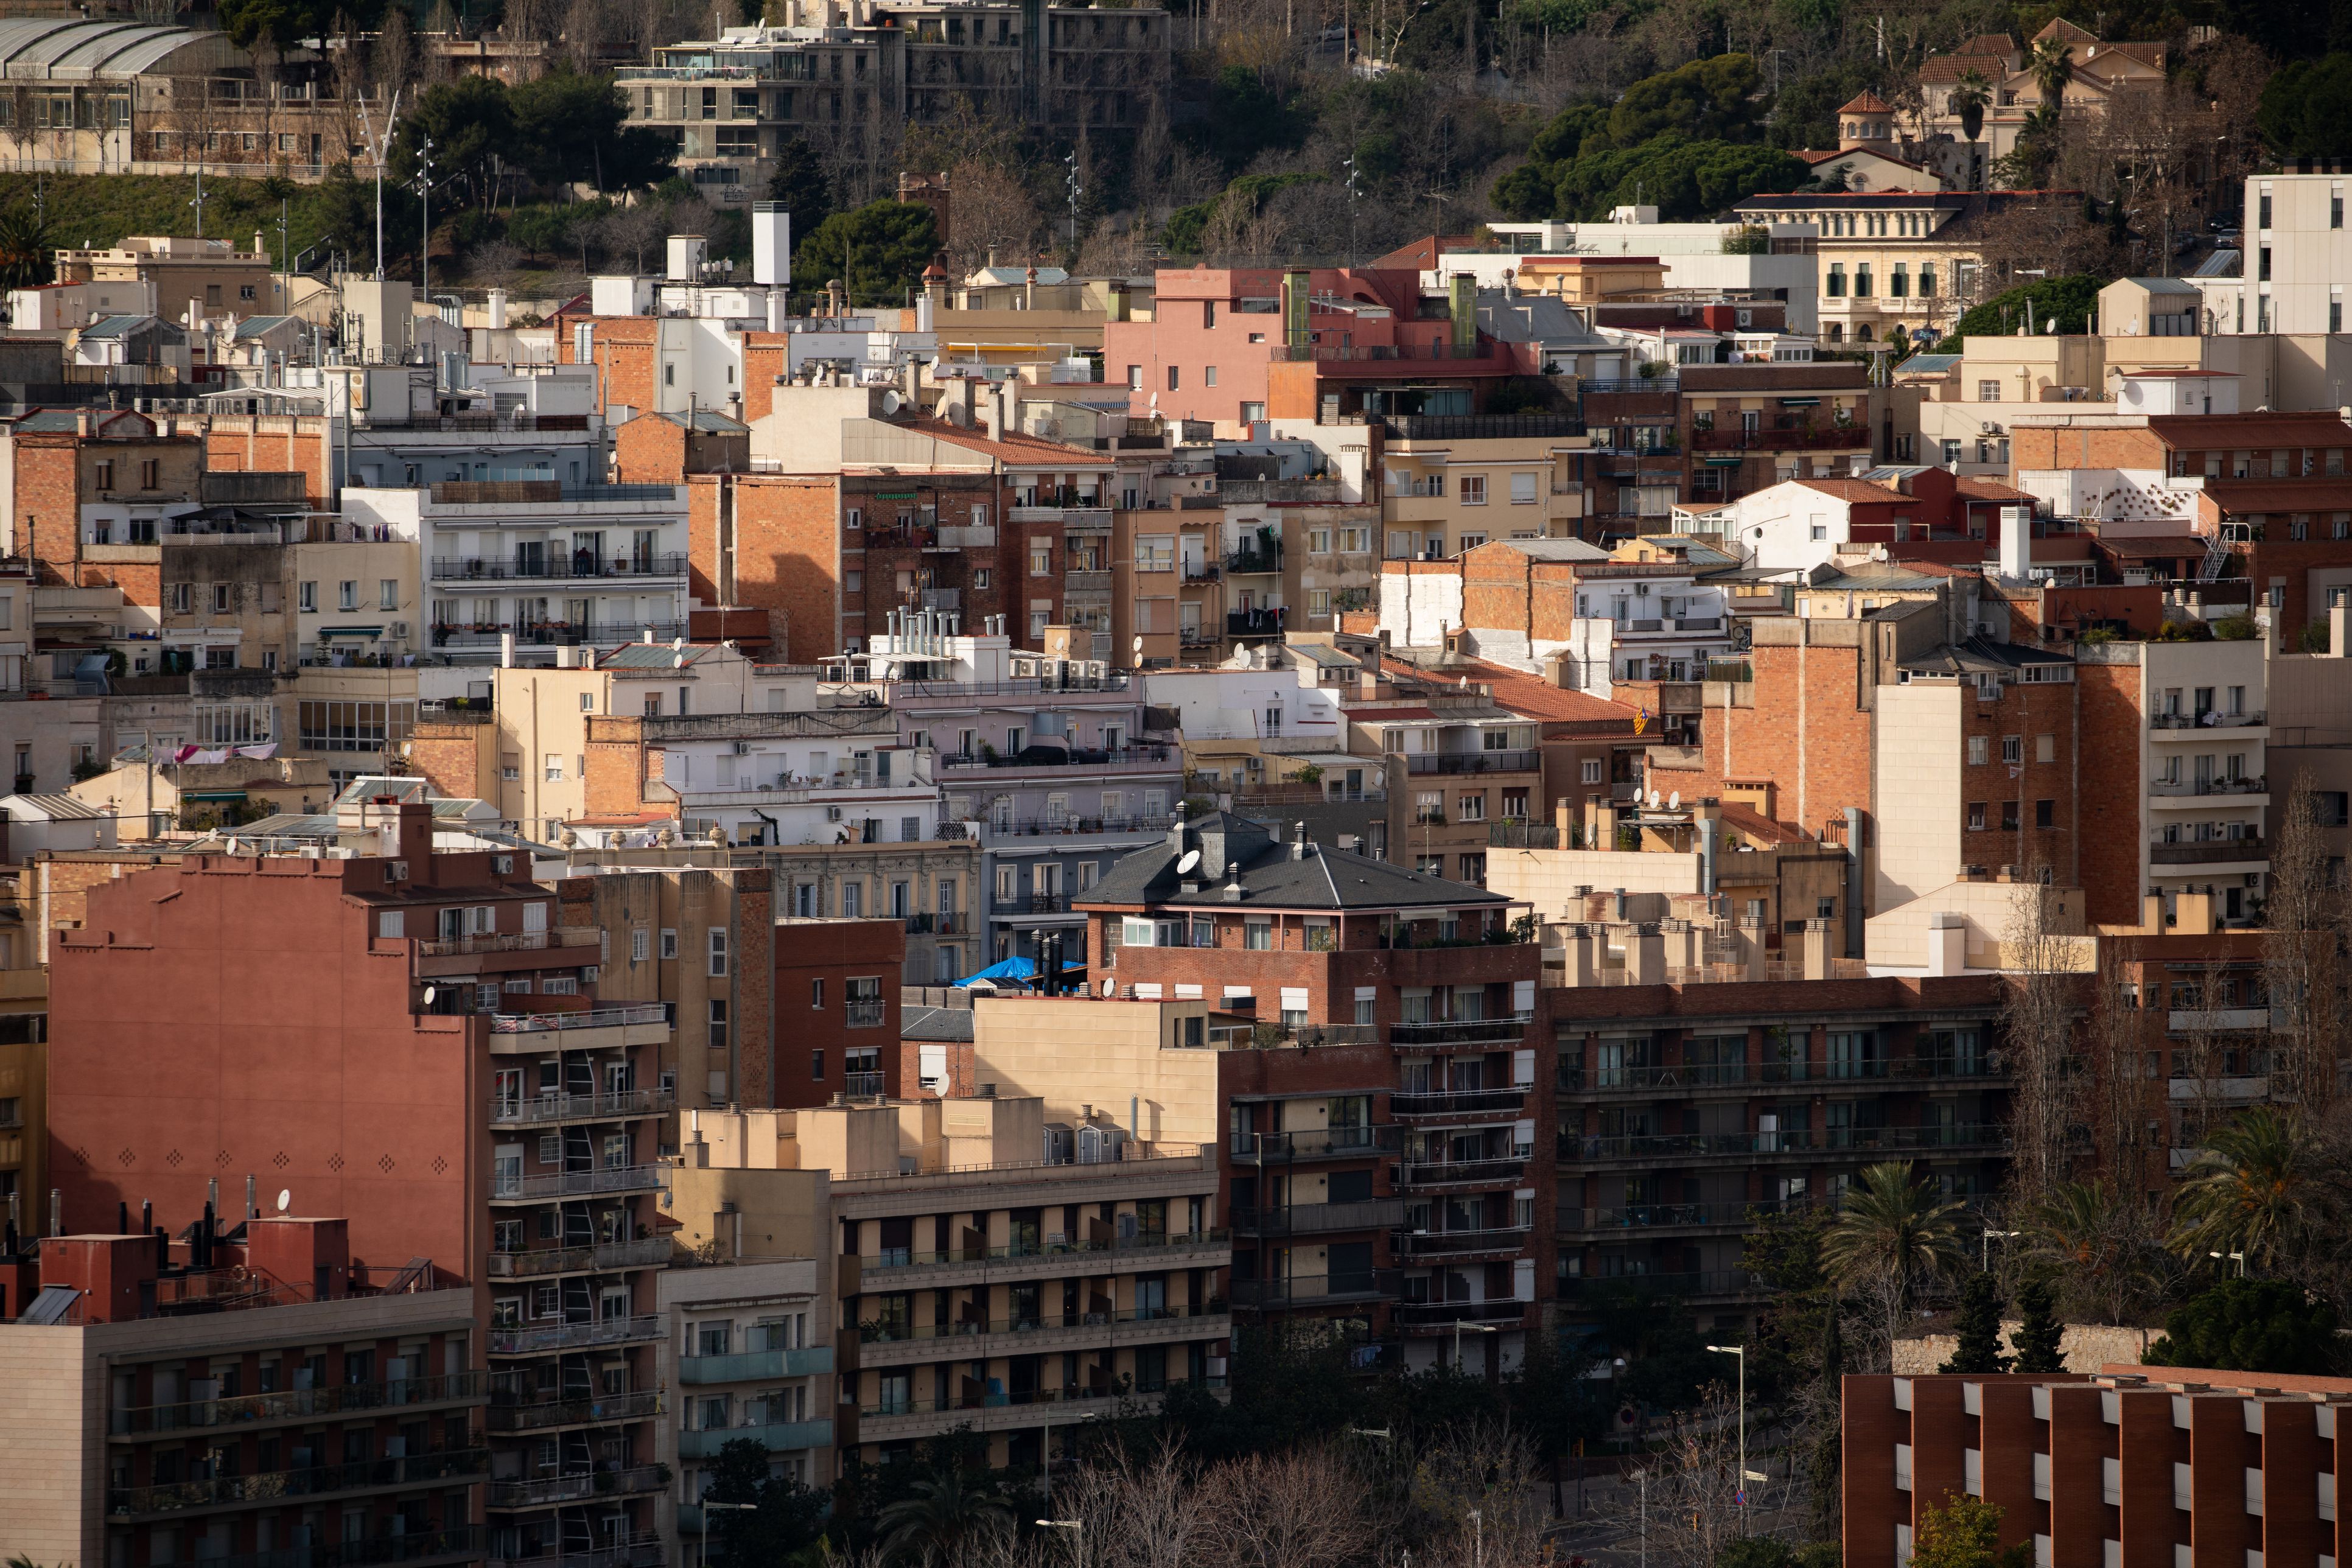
[2069, 301]
[2249, 1325]
[878, 251]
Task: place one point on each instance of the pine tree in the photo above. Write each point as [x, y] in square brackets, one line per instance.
[2036, 1340]
[1978, 1325]
[1826, 1463]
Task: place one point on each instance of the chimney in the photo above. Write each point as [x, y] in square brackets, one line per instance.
[2339, 631]
[772, 243]
[416, 836]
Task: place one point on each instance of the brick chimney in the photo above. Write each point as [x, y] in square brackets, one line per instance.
[417, 837]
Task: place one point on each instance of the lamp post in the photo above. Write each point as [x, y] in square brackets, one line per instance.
[1746, 1474]
[1078, 1528]
[2237, 1257]
[1474, 1328]
[1984, 1245]
[708, 1507]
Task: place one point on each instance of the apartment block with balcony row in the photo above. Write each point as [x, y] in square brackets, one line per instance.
[1391, 1179]
[246, 1395]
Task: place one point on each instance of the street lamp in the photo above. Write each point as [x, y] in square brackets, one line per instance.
[1746, 1474]
[1985, 1243]
[708, 1507]
[1078, 1528]
[2237, 1257]
[1474, 1328]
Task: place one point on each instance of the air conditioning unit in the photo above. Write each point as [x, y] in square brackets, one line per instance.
[400, 630]
[588, 973]
[743, 748]
[832, 814]
[503, 864]
[1987, 427]
[395, 871]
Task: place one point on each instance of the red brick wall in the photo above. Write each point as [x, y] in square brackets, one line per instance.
[613, 783]
[831, 952]
[1807, 735]
[48, 504]
[2111, 824]
[1870, 1427]
[2076, 447]
[623, 351]
[458, 760]
[650, 450]
[2026, 712]
[287, 451]
[766, 355]
[789, 554]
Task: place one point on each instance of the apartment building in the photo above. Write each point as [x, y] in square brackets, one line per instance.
[1913, 514]
[747, 1342]
[1689, 1104]
[2129, 1465]
[1452, 482]
[1387, 1182]
[992, 1272]
[246, 1393]
[529, 565]
[1260, 723]
[1043, 758]
[2296, 263]
[2102, 70]
[853, 77]
[2182, 800]
[439, 1073]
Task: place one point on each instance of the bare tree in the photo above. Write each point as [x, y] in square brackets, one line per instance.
[494, 263]
[1136, 1513]
[994, 215]
[1685, 1502]
[1483, 1491]
[1301, 1509]
[2038, 1014]
[2302, 958]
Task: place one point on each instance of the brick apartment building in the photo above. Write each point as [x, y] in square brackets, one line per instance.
[2134, 1465]
[246, 1393]
[90, 491]
[411, 1040]
[1389, 1179]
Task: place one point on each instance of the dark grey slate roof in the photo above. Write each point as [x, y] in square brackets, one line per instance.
[1239, 854]
[1980, 656]
[935, 1024]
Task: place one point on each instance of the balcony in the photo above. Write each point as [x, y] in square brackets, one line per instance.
[976, 1340]
[863, 1012]
[946, 922]
[2209, 721]
[587, 1485]
[556, 566]
[1821, 438]
[519, 1340]
[1203, 570]
[1440, 763]
[1086, 580]
[1442, 1315]
[556, 634]
[510, 1189]
[2174, 788]
[1682, 1147]
[1315, 1289]
[1264, 623]
[1501, 1102]
[752, 1366]
[420, 1549]
[1070, 826]
[648, 1254]
[1414, 1245]
[1483, 427]
[1312, 1143]
[641, 1549]
[2208, 852]
[778, 1438]
[1318, 1219]
[1494, 1033]
[598, 1029]
[511, 941]
[1032, 904]
[1578, 1288]
[1090, 519]
[319, 1482]
[540, 1415]
[1126, 758]
[547, 1109]
[1253, 563]
[296, 1404]
[1461, 1173]
[2221, 1020]
[1671, 1216]
[1694, 1077]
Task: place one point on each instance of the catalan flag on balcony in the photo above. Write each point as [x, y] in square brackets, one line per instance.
[1641, 720]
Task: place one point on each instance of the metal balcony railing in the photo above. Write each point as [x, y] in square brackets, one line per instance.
[506, 568]
[1460, 1172]
[594, 1019]
[1459, 1102]
[646, 1254]
[296, 1404]
[641, 1549]
[1507, 1031]
[1713, 1282]
[551, 1108]
[319, 1481]
[862, 1085]
[1473, 762]
[541, 1491]
[1310, 1289]
[1311, 1144]
[538, 1415]
[1315, 1219]
[1458, 1243]
[1423, 1314]
[519, 1340]
[462, 1542]
[574, 1184]
[863, 1012]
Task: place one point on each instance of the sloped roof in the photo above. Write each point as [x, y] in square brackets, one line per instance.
[1852, 489]
[1241, 857]
[1983, 656]
[257, 326]
[655, 656]
[50, 808]
[1533, 697]
[1014, 447]
[707, 422]
[935, 1024]
[1865, 102]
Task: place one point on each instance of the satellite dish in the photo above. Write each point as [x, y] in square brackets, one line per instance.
[285, 1199]
[892, 403]
[430, 993]
[1674, 801]
[1653, 800]
[1109, 985]
[1192, 858]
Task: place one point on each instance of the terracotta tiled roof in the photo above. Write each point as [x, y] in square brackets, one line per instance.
[1854, 490]
[2206, 432]
[1536, 697]
[1865, 102]
[2285, 495]
[1011, 447]
[1987, 490]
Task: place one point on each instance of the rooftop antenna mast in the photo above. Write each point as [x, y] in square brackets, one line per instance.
[424, 240]
[381, 149]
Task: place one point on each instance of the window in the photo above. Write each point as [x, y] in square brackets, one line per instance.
[2009, 816]
[182, 597]
[1171, 378]
[1318, 602]
[1318, 542]
[1257, 935]
[668, 943]
[1976, 816]
[1988, 392]
[816, 994]
[2012, 750]
[718, 950]
[2045, 747]
[306, 597]
[640, 944]
[553, 772]
[1473, 489]
[347, 595]
[1135, 378]
[1590, 772]
[1837, 281]
[1927, 281]
[1523, 490]
[1208, 375]
[2045, 814]
[1041, 559]
[817, 1067]
[1978, 748]
[717, 1023]
[862, 1002]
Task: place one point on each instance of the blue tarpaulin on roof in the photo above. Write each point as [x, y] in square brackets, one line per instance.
[1014, 971]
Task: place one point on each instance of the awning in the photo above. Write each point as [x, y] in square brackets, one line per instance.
[213, 795]
[326, 631]
[1800, 403]
[1724, 462]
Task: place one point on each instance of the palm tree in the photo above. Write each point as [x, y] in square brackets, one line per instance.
[2251, 1189]
[2097, 1240]
[942, 1512]
[2052, 66]
[26, 256]
[1970, 100]
[1890, 1230]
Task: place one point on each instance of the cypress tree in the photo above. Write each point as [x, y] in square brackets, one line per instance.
[2037, 1336]
[1977, 1326]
